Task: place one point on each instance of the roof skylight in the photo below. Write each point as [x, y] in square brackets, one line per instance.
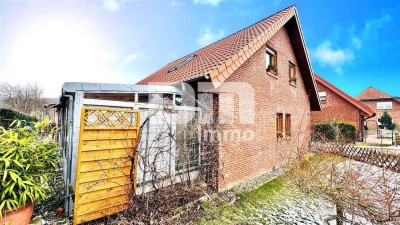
[180, 65]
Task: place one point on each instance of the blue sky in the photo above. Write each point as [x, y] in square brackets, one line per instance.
[352, 44]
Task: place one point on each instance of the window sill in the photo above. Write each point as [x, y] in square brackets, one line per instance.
[294, 84]
[272, 74]
[280, 139]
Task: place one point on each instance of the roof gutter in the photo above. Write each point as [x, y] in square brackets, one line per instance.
[373, 114]
[72, 87]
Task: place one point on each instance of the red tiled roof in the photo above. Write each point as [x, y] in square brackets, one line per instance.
[216, 55]
[368, 111]
[372, 93]
[221, 59]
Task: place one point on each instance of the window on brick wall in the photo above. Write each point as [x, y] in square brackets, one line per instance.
[279, 125]
[322, 96]
[288, 125]
[270, 61]
[292, 72]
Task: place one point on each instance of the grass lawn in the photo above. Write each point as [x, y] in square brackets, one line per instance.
[270, 203]
[280, 201]
[276, 202]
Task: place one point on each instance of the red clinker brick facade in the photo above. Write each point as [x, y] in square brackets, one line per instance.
[235, 69]
[336, 108]
[372, 93]
[394, 113]
[340, 107]
[371, 96]
[242, 160]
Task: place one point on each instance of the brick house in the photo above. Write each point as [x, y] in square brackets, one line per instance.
[263, 71]
[380, 102]
[338, 106]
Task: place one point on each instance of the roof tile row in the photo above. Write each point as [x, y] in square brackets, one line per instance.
[222, 58]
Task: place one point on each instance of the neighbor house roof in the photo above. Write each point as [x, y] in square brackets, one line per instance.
[361, 106]
[219, 60]
[372, 93]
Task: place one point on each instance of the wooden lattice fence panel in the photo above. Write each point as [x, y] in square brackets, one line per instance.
[106, 168]
[377, 157]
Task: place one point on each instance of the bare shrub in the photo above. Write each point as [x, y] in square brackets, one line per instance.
[360, 191]
[177, 162]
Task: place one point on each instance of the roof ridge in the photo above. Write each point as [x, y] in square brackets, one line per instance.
[249, 26]
[382, 91]
[285, 10]
[217, 61]
[248, 49]
[359, 104]
[375, 89]
[320, 78]
[253, 24]
[264, 19]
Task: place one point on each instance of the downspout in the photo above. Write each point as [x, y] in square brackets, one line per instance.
[362, 122]
[68, 172]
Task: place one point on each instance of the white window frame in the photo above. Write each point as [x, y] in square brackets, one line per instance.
[268, 54]
[322, 96]
[384, 105]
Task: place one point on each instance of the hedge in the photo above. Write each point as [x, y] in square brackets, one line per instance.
[7, 116]
[328, 131]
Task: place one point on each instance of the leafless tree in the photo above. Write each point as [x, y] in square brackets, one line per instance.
[23, 98]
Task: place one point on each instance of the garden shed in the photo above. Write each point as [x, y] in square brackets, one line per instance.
[118, 139]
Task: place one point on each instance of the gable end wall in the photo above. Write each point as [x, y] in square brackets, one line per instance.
[336, 109]
[241, 160]
[394, 113]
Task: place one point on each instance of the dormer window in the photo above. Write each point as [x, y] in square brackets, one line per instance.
[270, 61]
[180, 65]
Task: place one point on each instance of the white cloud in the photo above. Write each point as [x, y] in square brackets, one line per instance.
[335, 58]
[208, 2]
[369, 32]
[208, 36]
[372, 27]
[177, 3]
[130, 58]
[326, 55]
[111, 5]
[357, 43]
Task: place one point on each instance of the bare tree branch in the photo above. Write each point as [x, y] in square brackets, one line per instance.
[23, 98]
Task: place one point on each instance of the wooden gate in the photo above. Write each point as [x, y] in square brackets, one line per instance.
[107, 162]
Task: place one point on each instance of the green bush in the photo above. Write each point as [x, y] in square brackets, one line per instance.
[7, 116]
[387, 121]
[28, 158]
[334, 131]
